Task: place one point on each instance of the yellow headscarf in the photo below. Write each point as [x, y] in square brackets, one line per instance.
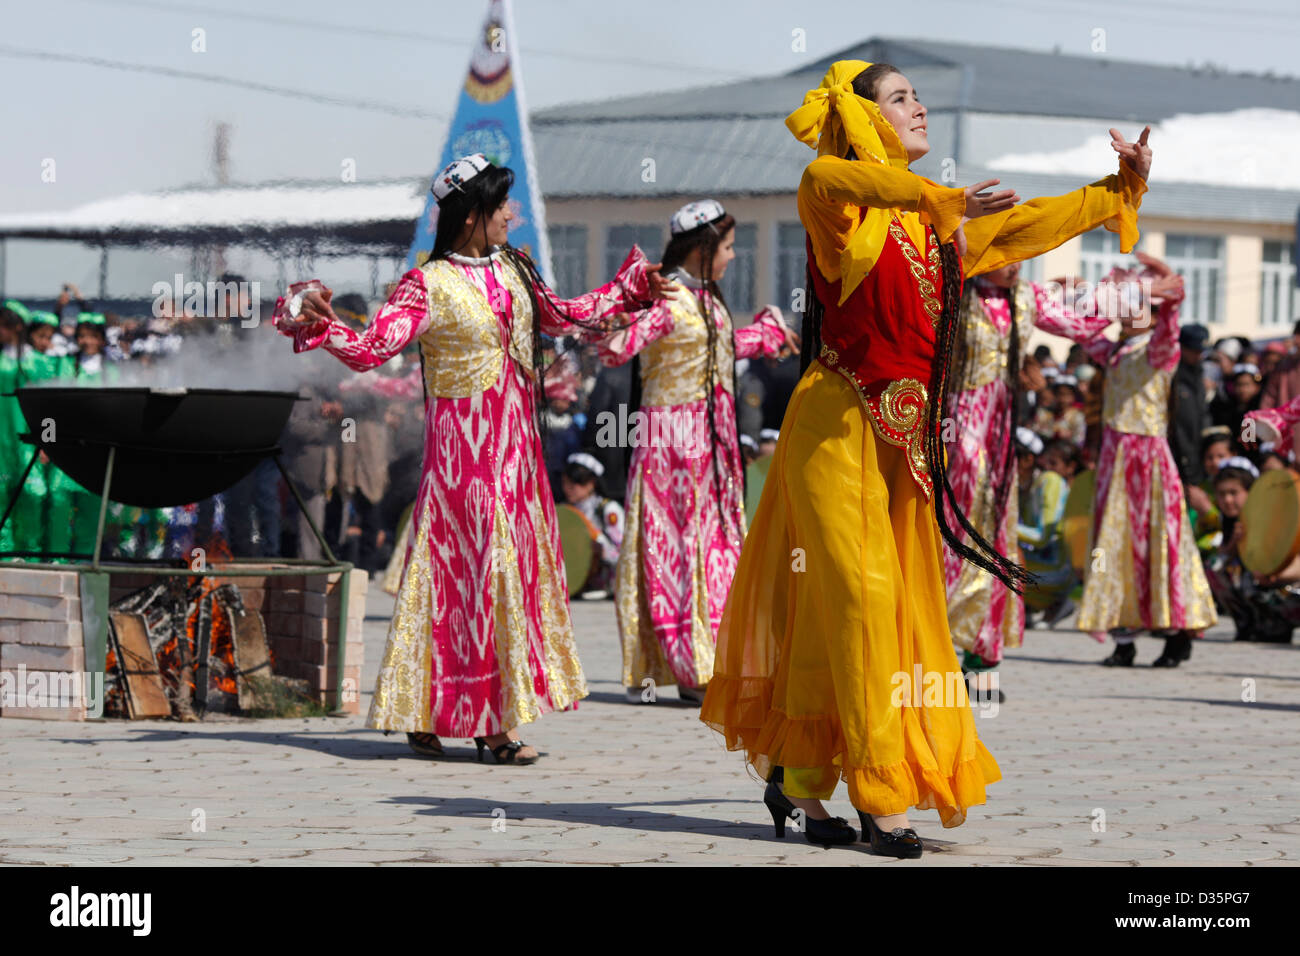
[833, 118]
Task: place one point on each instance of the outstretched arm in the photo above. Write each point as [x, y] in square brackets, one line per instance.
[834, 191]
[1079, 323]
[402, 318]
[1276, 424]
[1034, 227]
[637, 286]
[766, 335]
[619, 346]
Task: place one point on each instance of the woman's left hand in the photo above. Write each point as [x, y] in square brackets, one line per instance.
[660, 286]
[790, 343]
[1136, 155]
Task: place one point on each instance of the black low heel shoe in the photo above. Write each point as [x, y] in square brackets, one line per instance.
[1122, 656]
[824, 833]
[1178, 648]
[899, 842]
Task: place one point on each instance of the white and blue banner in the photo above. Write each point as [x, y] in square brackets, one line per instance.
[491, 118]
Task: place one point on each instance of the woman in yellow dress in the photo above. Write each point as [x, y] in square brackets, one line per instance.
[834, 659]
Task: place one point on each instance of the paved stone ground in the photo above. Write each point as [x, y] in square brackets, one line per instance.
[1184, 771]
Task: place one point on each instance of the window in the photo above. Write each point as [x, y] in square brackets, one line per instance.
[1031, 270]
[738, 284]
[1279, 303]
[791, 266]
[569, 259]
[1199, 259]
[620, 240]
[1100, 254]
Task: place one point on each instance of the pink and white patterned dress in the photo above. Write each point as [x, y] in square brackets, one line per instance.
[1144, 571]
[481, 639]
[984, 616]
[680, 549]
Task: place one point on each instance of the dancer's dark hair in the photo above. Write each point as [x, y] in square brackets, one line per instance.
[482, 196]
[945, 382]
[706, 238]
[1006, 485]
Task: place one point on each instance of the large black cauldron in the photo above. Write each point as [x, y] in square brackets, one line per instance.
[174, 446]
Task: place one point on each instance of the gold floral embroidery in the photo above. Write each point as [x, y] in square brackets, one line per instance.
[897, 414]
[924, 281]
[401, 700]
[898, 417]
[987, 347]
[672, 368]
[1136, 397]
[463, 346]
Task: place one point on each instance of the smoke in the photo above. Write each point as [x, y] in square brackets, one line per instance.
[222, 353]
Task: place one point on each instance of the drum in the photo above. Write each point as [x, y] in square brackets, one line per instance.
[578, 542]
[1272, 517]
[1076, 527]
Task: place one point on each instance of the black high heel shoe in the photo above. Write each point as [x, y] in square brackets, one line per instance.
[508, 752]
[899, 842]
[834, 831]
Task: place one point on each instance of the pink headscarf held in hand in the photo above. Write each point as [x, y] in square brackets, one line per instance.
[1124, 291]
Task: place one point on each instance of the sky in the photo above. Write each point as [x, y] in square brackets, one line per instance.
[397, 67]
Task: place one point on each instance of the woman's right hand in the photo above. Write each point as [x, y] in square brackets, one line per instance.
[981, 203]
[313, 308]
[316, 307]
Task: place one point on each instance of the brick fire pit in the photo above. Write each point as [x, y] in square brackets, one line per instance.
[53, 630]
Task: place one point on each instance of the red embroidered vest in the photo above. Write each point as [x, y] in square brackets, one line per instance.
[882, 340]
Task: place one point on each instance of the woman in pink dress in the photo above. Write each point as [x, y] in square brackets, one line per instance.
[1144, 571]
[1001, 312]
[481, 639]
[685, 515]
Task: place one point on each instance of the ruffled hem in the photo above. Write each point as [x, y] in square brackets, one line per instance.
[739, 709]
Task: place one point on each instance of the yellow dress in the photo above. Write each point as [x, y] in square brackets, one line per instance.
[834, 659]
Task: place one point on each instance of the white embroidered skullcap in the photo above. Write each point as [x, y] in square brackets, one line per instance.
[749, 442]
[1245, 368]
[586, 461]
[1085, 373]
[769, 434]
[695, 214]
[1229, 347]
[457, 172]
[1029, 441]
[1051, 373]
[1245, 464]
[1066, 380]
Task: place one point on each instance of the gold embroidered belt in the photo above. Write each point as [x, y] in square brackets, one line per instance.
[898, 416]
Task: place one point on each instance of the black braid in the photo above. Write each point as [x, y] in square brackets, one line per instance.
[532, 280]
[1006, 488]
[810, 328]
[943, 385]
[708, 293]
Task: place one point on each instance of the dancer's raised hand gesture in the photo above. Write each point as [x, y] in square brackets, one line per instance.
[981, 203]
[1136, 155]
